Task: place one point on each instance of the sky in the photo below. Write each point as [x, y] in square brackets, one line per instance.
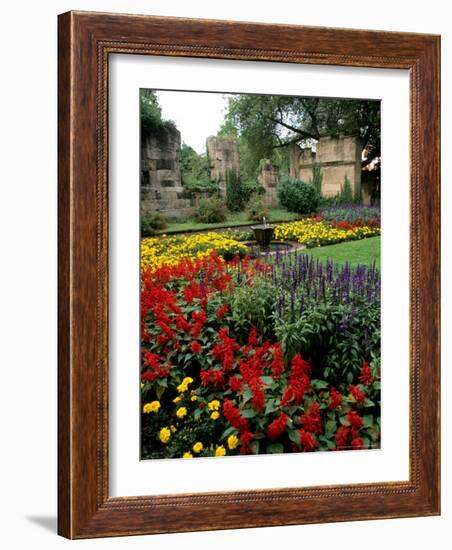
[197, 115]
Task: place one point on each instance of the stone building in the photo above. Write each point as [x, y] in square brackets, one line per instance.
[337, 158]
[223, 156]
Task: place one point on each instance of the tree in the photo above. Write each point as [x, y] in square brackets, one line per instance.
[268, 123]
[152, 122]
[195, 168]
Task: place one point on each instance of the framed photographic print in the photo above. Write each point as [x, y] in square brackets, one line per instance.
[248, 275]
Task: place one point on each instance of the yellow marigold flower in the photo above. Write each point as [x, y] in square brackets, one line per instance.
[152, 407]
[187, 455]
[193, 398]
[141, 385]
[183, 386]
[173, 428]
[165, 435]
[198, 447]
[177, 399]
[233, 441]
[214, 405]
[215, 415]
[220, 451]
[181, 412]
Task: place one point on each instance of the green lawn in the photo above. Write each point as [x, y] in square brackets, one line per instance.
[233, 219]
[364, 251]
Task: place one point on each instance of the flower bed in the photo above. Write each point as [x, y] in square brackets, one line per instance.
[353, 215]
[246, 357]
[169, 250]
[317, 232]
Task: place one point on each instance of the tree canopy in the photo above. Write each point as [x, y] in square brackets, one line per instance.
[266, 123]
[152, 122]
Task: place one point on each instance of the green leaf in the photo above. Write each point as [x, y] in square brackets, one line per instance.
[247, 395]
[272, 406]
[275, 448]
[319, 384]
[248, 413]
[227, 432]
[159, 390]
[368, 420]
[268, 381]
[331, 427]
[197, 414]
[294, 436]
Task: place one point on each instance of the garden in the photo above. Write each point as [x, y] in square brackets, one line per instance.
[250, 349]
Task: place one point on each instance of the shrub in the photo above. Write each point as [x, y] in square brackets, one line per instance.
[234, 192]
[255, 209]
[346, 193]
[317, 178]
[210, 210]
[250, 188]
[297, 196]
[150, 223]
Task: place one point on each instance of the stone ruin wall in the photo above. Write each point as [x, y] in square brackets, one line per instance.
[337, 158]
[224, 157]
[268, 177]
[161, 180]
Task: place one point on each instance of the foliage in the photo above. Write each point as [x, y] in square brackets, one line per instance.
[346, 192]
[255, 209]
[317, 179]
[297, 196]
[210, 210]
[252, 305]
[270, 122]
[235, 197]
[152, 122]
[251, 187]
[150, 223]
[351, 214]
[195, 169]
[315, 232]
[328, 314]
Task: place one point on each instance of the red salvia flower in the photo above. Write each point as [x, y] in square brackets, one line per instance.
[276, 428]
[182, 323]
[221, 313]
[366, 374]
[311, 421]
[355, 420]
[252, 337]
[233, 416]
[235, 383]
[335, 399]
[357, 443]
[308, 441]
[195, 347]
[342, 436]
[299, 381]
[357, 393]
[277, 364]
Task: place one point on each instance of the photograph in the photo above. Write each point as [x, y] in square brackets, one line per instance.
[260, 274]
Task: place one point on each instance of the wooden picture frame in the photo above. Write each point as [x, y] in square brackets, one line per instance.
[86, 40]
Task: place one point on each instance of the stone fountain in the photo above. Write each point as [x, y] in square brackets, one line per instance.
[263, 234]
